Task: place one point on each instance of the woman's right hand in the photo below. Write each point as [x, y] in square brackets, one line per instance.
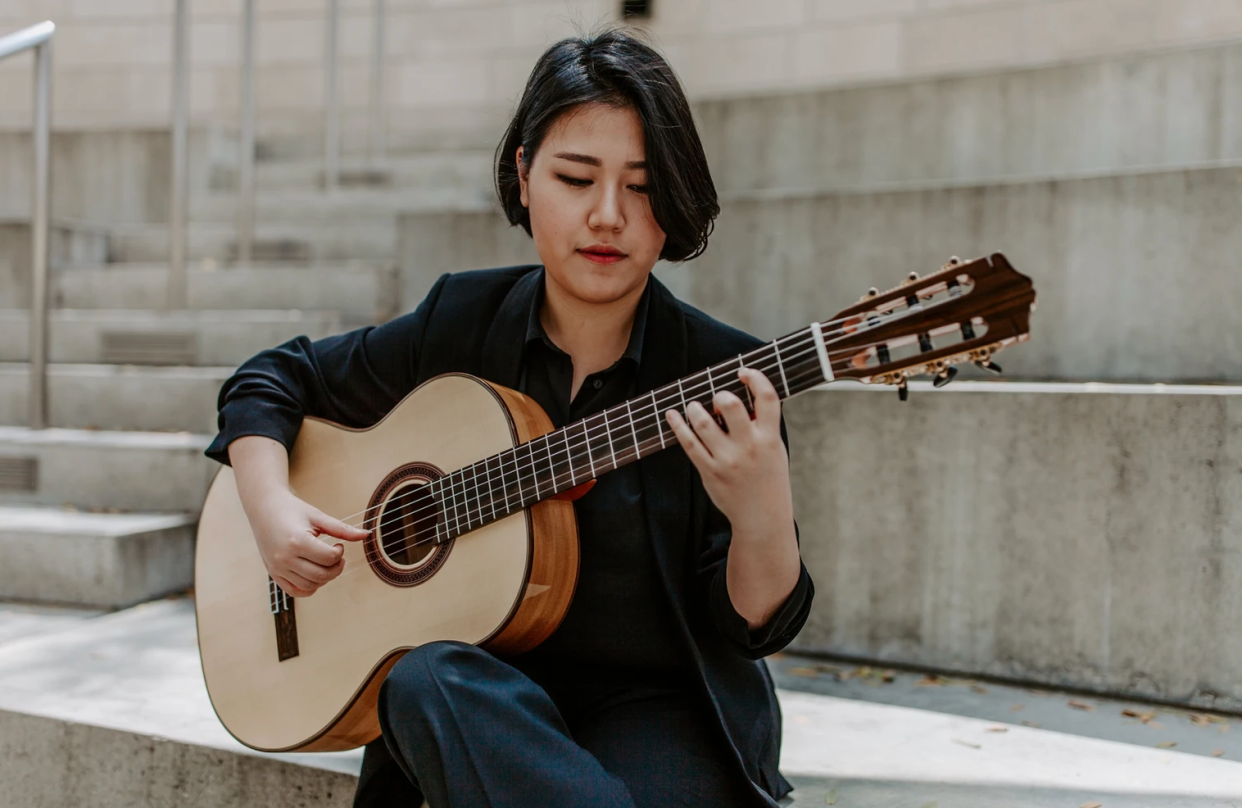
[294, 542]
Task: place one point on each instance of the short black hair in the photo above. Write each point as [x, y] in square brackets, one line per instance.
[616, 68]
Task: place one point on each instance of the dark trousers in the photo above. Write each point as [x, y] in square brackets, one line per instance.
[472, 731]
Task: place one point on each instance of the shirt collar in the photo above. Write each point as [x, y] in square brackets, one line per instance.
[633, 349]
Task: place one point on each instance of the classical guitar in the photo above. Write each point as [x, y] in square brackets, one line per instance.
[465, 489]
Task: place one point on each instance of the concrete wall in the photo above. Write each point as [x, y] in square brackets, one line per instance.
[48, 763]
[1137, 276]
[1119, 114]
[456, 68]
[1051, 534]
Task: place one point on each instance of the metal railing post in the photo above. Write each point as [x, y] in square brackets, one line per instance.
[375, 141]
[179, 203]
[245, 174]
[332, 113]
[38, 37]
[40, 227]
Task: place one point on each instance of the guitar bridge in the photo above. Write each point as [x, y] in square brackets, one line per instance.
[281, 607]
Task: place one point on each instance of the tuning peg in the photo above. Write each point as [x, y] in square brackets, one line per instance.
[945, 376]
[990, 366]
[903, 392]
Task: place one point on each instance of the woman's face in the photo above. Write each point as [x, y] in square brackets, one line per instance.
[585, 188]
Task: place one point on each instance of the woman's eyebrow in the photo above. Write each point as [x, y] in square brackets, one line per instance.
[587, 159]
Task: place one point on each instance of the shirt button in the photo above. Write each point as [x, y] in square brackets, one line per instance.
[598, 383]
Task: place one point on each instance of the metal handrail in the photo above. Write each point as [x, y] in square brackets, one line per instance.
[38, 37]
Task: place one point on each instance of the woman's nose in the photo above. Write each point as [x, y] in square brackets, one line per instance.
[606, 212]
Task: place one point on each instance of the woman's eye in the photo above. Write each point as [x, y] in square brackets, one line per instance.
[642, 189]
[573, 181]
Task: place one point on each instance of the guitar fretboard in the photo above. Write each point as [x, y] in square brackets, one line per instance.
[507, 482]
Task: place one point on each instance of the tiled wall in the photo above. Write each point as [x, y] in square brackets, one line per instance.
[461, 63]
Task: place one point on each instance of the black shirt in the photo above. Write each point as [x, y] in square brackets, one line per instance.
[619, 631]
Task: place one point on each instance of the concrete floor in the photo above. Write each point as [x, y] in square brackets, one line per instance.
[849, 739]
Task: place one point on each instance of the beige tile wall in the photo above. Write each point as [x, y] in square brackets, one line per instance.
[462, 59]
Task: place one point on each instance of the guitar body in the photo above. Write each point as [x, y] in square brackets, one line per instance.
[505, 586]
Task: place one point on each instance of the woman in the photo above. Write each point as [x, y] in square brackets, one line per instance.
[652, 691]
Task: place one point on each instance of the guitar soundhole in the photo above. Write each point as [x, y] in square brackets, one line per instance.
[403, 548]
[407, 525]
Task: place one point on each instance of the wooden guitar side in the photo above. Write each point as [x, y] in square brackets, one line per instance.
[505, 586]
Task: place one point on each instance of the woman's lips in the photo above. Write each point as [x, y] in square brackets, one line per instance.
[601, 258]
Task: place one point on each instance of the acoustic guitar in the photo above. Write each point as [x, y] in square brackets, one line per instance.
[466, 490]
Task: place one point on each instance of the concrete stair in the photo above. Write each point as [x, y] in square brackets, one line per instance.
[112, 711]
[126, 471]
[117, 397]
[334, 239]
[359, 291]
[143, 337]
[93, 559]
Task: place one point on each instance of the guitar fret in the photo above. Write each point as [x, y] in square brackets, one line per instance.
[776, 346]
[629, 413]
[569, 457]
[491, 488]
[586, 438]
[659, 422]
[612, 453]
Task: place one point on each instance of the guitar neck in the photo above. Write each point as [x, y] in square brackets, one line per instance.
[578, 453]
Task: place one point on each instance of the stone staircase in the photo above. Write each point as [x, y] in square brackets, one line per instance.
[1124, 212]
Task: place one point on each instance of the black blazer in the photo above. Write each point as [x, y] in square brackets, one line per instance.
[474, 322]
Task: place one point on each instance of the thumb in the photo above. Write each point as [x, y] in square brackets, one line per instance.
[337, 528]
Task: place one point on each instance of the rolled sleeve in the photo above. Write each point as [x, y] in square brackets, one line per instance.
[777, 632]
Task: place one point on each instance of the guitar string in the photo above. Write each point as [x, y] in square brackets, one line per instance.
[649, 442]
[811, 371]
[477, 480]
[473, 487]
[586, 436]
[589, 432]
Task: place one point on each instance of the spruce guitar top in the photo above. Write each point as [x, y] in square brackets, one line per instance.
[466, 490]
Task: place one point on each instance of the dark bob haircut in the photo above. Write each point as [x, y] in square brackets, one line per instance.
[616, 69]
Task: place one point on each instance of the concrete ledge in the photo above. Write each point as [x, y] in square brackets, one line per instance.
[69, 242]
[362, 292]
[93, 559]
[46, 763]
[1080, 535]
[117, 705]
[129, 471]
[161, 337]
[130, 397]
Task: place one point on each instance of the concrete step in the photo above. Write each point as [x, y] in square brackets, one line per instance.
[330, 240]
[447, 168]
[112, 712]
[70, 242]
[344, 205]
[142, 337]
[1172, 109]
[128, 471]
[104, 560]
[1079, 535]
[1098, 250]
[117, 397]
[361, 292]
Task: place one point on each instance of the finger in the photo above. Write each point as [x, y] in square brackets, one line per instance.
[316, 573]
[689, 441]
[706, 428]
[767, 403]
[734, 412]
[337, 528]
[318, 551]
[292, 589]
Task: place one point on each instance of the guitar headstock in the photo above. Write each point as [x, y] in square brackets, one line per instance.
[967, 311]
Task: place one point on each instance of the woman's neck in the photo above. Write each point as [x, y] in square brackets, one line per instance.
[593, 334]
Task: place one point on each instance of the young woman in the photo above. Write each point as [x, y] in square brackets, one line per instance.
[652, 692]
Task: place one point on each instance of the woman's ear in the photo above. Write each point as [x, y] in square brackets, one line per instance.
[523, 178]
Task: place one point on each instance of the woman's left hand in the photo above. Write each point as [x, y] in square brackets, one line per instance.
[745, 470]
